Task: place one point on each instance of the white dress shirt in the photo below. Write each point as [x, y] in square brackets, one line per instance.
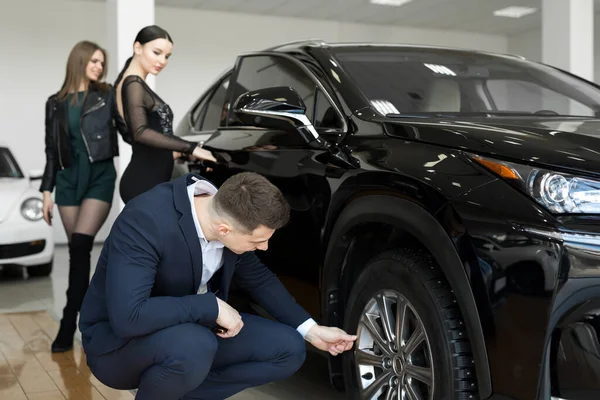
[212, 251]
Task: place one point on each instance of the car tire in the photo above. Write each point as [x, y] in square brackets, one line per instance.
[443, 357]
[40, 270]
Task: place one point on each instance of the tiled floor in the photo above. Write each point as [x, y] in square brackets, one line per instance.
[29, 371]
[29, 310]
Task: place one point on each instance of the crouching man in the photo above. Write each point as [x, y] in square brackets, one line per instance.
[155, 316]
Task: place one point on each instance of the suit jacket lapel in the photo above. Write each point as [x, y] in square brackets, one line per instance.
[186, 223]
[191, 237]
[229, 261]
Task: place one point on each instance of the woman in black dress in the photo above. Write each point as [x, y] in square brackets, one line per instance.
[149, 119]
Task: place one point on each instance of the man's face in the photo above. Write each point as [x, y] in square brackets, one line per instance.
[240, 242]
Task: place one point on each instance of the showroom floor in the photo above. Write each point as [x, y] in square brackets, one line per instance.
[29, 310]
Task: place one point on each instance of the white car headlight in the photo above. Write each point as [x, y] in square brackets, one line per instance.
[558, 192]
[31, 209]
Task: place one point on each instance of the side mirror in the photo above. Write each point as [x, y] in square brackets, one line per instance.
[277, 107]
[36, 174]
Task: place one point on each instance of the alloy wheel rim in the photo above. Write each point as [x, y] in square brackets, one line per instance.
[393, 353]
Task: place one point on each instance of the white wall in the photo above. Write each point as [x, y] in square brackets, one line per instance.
[42, 33]
[32, 67]
[527, 44]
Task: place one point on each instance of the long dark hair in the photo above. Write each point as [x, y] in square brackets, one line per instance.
[77, 62]
[147, 34]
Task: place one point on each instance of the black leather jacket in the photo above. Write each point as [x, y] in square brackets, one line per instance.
[100, 121]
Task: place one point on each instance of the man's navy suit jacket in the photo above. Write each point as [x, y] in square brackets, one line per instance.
[149, 271]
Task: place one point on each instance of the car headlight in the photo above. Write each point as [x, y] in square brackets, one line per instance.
[31, 209]
[558, 192]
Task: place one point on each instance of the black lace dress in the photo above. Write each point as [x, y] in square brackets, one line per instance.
[150, 121]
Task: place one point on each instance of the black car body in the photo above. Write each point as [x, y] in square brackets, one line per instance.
[454, 191]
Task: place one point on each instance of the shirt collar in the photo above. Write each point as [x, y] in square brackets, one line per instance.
[197, 188]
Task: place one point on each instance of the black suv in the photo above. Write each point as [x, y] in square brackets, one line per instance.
[445, 208]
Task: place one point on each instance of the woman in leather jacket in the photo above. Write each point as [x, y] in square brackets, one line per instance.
[81, 141]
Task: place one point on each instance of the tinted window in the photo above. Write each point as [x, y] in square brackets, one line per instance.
[211, 110]
[215, 109]
[509, 95]
[8, 165]
[405, 80]
[325, 115]
[258, 72]
[198, 114]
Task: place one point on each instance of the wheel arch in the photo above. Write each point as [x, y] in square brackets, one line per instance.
[421, 229]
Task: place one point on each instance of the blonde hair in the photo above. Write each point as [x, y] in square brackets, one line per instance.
[77, 63]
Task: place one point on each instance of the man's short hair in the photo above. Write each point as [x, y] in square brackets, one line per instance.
[251, 200]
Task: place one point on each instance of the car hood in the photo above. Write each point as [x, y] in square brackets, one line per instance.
[572, 143]
[12, 191]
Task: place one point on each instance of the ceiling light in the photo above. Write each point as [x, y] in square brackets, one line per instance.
[514, 12]
[384, 107]
[440, 69]
[396, 3]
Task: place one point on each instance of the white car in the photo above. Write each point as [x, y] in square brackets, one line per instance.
[25, 238]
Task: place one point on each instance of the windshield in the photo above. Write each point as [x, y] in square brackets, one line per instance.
[415, 80]
[8, 165]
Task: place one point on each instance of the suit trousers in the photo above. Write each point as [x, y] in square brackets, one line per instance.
[189, 361]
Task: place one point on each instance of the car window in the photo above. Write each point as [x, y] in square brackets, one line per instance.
[325, 115]
[511, 95]
[8, 165]
[211, 110]
[198, 114]
[414, 80]
[259, 72]
[215, 107]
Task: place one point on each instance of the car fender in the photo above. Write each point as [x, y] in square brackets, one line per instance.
[423, 226]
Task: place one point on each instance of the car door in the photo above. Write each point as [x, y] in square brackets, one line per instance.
[300, 171]
[207, 113]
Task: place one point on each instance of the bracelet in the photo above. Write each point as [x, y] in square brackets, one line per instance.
[191, 148]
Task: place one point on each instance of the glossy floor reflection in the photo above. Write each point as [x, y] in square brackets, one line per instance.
[28, 370]
[29, 311]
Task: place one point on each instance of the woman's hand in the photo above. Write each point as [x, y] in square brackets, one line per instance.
[203, 155]
[47, 207]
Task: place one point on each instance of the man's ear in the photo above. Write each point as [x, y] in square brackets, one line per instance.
[223, 229]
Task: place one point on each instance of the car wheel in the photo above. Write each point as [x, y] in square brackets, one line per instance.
[40, 270]
[411, 339]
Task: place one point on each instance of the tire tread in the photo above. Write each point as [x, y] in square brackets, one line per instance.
[424, 266]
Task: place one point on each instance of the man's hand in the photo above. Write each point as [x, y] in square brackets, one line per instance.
[229, 319]
[333, 340]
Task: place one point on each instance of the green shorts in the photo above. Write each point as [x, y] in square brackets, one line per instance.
[91, 181]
